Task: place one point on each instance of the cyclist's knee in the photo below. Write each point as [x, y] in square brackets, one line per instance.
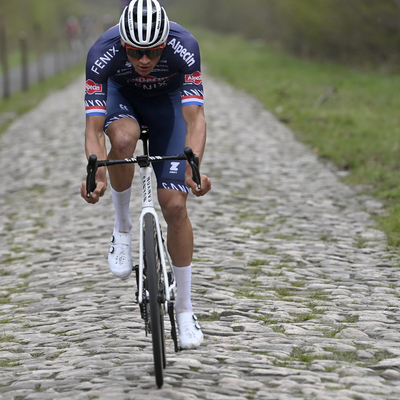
[124, 134]
[173, 205]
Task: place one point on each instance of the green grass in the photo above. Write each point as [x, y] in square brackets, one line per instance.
[4, 337]
[21, 102]
[298, 354]
[9, 363]
[214, 316]
[357, 127]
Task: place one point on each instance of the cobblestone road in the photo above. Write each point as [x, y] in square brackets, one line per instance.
[297, 296]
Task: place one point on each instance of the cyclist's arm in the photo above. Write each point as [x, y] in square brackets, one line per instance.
[196, 139]
[95, 144]
[196, 128]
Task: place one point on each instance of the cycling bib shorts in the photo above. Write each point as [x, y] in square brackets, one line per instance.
[163, 116]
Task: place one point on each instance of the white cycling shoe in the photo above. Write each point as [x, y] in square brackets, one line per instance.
[190, 334]
[119, 257]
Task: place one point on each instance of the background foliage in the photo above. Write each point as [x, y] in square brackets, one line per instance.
[358, 32]
[50, 16]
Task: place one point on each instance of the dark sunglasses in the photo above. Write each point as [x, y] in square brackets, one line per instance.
[139, 53]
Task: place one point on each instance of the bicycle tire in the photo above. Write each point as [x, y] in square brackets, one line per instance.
[153, 273]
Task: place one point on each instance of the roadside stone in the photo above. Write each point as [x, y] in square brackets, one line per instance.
[362, 354]
[391, 362]
[391, 375]
[350, 333]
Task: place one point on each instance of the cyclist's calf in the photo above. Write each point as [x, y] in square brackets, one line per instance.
[180, 233]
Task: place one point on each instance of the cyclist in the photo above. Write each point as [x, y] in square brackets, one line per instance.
[146, 72]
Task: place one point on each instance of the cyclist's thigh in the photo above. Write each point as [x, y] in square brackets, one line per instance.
[164, 118]
[118, 107]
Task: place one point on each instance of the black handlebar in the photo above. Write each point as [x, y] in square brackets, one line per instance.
[93, 165]
[91, 170]
[194, 163]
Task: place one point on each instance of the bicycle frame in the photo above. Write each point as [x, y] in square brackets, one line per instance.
[165, 299]
[148, 207]
[144, 163]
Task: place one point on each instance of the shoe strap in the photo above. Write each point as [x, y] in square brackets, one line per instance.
[187, 318]
[121, 238]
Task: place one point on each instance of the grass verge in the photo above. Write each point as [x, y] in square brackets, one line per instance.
[21, 102]
[346, 116]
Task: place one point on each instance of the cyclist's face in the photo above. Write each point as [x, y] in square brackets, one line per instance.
[143, 66]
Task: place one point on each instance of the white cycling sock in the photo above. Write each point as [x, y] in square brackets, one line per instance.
[183, 276]
[123, 222]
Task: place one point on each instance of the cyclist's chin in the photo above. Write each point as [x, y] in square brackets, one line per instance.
[144, 70]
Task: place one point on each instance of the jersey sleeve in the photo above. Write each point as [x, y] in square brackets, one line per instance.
[192, 88]
[96, 84]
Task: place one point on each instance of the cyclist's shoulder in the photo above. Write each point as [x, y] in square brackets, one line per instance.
[182, 48]
[177, 29]
[105, 56]
[178, 33]
[108, 43]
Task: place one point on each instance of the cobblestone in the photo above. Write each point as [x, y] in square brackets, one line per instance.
[293, 284]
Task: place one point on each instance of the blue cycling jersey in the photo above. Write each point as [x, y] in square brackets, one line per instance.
[177, 69]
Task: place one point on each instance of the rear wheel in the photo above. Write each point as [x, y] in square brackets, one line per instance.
[156, 290]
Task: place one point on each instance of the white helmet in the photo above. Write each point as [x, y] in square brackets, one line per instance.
[144, 24]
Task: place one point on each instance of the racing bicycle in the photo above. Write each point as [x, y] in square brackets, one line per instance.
[155, 279]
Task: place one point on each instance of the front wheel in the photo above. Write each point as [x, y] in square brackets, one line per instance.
[155, 288]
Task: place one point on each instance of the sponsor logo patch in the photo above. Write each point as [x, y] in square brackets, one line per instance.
[92, 87]
[174, 167]
[194, 78]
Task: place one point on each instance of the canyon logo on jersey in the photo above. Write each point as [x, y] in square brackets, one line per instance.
[194, 78]
[93, 87]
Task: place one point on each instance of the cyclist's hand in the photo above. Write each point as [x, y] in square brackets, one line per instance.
[205, 185]
[94, 196]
